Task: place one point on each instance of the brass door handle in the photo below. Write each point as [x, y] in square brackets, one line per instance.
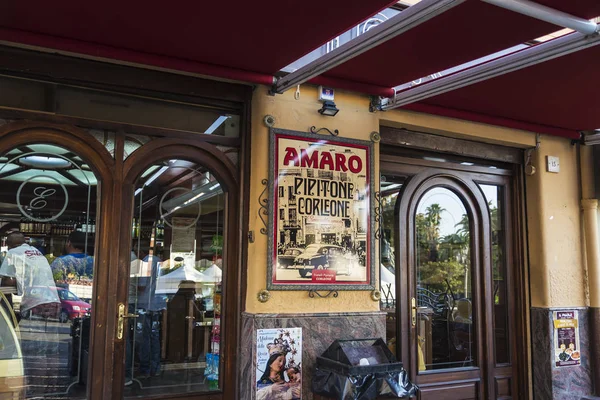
[122, 315]
[414, 311]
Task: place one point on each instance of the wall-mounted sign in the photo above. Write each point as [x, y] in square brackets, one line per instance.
[566, 338]
[279, 364]
[320, 209]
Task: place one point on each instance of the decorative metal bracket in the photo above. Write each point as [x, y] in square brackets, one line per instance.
[312, 293]
[263, 296]
[313, 129]
[263, 202]
[375, 295]
[378, 216]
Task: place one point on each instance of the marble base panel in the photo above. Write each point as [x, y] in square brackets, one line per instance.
[318, 332]
[595, 343]
[559, 383]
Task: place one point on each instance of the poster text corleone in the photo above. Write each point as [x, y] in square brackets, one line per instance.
[323, 197]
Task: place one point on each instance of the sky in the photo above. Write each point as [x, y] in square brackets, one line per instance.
[454, 208]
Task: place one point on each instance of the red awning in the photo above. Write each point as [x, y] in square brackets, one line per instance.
[559, 97]
[259, 37]
[466, 32]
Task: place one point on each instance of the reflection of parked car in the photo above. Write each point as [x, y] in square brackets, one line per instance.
[70, 306]
[322, 256]
[286, 259]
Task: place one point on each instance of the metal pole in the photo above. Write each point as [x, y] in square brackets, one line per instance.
[547, 14]
[501, 66]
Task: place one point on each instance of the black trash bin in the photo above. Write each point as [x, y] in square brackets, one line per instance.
[340, 375]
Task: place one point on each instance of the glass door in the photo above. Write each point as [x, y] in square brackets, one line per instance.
[176, 318]
[175, 281]
[48, 269]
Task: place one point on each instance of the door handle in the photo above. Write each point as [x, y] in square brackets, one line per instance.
[121, 320]
[414, 311]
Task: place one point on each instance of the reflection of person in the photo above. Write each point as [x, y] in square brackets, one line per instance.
[272, 384]
[29, 270]
[26, 267]
[75, 260]
[149, 306]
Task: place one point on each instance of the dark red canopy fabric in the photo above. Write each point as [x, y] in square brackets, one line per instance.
[469, 31]
[560, 96]
[256, 36]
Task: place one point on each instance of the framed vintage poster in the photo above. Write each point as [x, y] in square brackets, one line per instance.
[321, 219]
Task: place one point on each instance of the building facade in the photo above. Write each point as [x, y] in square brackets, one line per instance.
[485, 255]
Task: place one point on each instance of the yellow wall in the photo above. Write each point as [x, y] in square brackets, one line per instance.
[558, 277]
[553, 200]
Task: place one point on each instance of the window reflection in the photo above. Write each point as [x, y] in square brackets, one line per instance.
[443, 272]
[389, 190]
[47, 228]
[494, 196]
[175, 281]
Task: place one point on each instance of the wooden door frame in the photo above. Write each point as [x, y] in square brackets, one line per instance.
[511, 176]
[221, 167]
[103, 165]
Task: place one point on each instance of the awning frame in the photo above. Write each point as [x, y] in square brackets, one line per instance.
[547, 14]
[406, 20]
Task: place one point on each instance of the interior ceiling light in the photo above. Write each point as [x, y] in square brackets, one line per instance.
[329, 109]
[152, 178]
[218, 122]
[44, 162]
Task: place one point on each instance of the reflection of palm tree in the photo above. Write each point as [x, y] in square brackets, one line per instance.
[433, 219]
[463, 227]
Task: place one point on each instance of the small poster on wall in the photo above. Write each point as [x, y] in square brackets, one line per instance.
[566, 338]
[279, 364]
[321, 221]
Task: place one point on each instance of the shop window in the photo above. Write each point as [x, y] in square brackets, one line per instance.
[118, 107]
[494, 197]
[389, 189]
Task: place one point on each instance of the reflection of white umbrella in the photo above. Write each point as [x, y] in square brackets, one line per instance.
[168, 284]
[213, 274]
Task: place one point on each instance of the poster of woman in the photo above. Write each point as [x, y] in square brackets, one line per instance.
[279, 364]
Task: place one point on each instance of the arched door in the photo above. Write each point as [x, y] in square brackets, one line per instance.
[54, 259]
[177, 301]
[447, 253]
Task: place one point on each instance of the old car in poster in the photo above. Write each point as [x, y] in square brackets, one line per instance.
[322, 256]
[286, 259]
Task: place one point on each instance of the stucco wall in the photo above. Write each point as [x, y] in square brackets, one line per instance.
[557, 272]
